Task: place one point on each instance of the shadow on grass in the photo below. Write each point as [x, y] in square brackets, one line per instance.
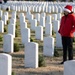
[41, 73]
[18, 55]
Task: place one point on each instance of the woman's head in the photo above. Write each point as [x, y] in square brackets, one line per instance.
[68, 9]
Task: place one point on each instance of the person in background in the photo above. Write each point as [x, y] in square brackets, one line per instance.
[66, 30]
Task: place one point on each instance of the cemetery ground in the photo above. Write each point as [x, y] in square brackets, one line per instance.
[52, 66]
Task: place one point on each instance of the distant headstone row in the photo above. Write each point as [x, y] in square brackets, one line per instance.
[35, 6]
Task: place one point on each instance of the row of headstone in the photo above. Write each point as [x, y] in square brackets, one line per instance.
[49, 7]
[12, 24]
[8, 39]
[30, 47]
[10, 42]
[36, 8]
[31, 55]
[31, 52]
[38, 29]
[47, 25]
[39, 18]
[4, 7]
[25, 32]
[48, 49]
[11, 30]
[4, 22]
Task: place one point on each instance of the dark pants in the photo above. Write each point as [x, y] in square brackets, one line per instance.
[67, 43]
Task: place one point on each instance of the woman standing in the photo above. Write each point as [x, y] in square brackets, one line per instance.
[67, 28]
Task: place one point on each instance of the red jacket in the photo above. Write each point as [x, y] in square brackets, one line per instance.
[67, 25]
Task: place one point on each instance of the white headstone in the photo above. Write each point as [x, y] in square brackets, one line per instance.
[22, 19]
[54, 16]
[4, 18]
[39, 33]
[60, 10]
[18, 8]
[31, 55]
[58, 40]
[56, 9]
[69, 67]
[12, 21]
[14, 15]
[38, 9]
[25, 34]
[48, 48]
[43, 15]
[1, 13]
[30, 18]
[42, 21]
[43, 8]
[28, 9]
[59, 16]
[46, 9]
[48, 20]
[37, 16]
[49, 9]
[33, 24]
[52, 9]
[24, 25]
[48, 29]
[6, 13]
[12, 7]
[1, 26]
[28, 14]
[56, 25]
[25, 8]
[35, 9]
[8, 43]
[15, 8]
[11, 29]
[5, 64]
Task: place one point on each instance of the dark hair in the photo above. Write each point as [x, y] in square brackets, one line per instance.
[71, 12]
